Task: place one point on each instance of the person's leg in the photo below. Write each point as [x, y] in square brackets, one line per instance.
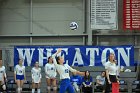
[18, 86]
[63, 86]
[38, 87]
[48, 81]
[21, 78]
[62, 89]
[3, 86]
[54, 86]
[114, 80]
[103, 88]
[33, 87]
[70, 88]
[89, 89]
[21, 84]
[107, 87]
[76, 87]
[85, 89]
[100, 87]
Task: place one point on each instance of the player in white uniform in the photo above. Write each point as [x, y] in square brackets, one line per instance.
[36, 77]
[51, 73]
[2, 77]
[111, 72]
[20, 76]
[63, 70]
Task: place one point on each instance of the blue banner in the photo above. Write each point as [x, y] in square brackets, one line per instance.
[75, 55]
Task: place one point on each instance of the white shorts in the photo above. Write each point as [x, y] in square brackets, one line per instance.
[49, 77]
[36, 80]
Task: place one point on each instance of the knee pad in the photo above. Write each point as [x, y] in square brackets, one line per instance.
[54, 88]
[48, 87]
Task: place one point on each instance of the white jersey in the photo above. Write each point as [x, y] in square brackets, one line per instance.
[101, 80]
[118, 71]
[19, 70]
[50, 70]
[111, 67]
[63, 70]
[36, 74]
[2, 73]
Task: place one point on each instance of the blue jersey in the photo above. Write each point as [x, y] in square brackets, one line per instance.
[87, 82]
[77, 79]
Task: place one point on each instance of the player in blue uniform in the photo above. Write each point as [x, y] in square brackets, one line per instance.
[19, 74]
[63, 70]
[87, 83]
[76, 80]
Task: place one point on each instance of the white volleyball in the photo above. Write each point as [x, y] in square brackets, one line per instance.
[73, 25]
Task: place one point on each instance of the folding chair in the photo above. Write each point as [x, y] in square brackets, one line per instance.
[123, 86]
[135, 85]
[27, 86]
[10, 85]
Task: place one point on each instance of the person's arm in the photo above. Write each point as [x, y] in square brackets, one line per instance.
[15, 72]
[24, 74]
[90, 81]
[83, 82]
[107, 76]
[4, 74]
[74, 70]
[54, 55]
[107, 72]
[97, 80]
[46, 70]
[40, 74]
[117, 78]
[117, 73]
[90, 84]
[32, 73]
[80, 73]
[71, 69]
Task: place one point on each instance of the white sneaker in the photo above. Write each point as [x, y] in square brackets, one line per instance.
[77, 89]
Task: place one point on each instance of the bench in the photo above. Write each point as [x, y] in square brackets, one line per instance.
[11, 86]
[94, 71]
